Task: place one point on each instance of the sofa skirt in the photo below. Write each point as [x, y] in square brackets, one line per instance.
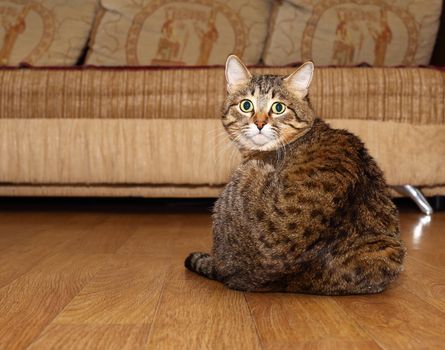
[182, 157]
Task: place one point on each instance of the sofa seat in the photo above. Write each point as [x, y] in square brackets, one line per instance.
[156, 132]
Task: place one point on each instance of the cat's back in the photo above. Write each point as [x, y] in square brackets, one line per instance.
[339, 165]
[330, 152]
[325, 141]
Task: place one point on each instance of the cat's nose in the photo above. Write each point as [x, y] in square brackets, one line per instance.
[260, 124]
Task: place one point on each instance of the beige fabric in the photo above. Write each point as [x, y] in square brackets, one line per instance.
[44, 32]
[407, 154]
[117, 151]
[151, 191]
[179, 32]
[431, 191]
[128, 131]
[182, 152]
[409, 95]
[427, 191]
[348, 32]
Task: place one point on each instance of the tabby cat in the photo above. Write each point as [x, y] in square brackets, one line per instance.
[308, 209]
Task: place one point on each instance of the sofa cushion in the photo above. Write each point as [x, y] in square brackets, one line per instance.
[178, 32]
[349, 32]
[44, 32]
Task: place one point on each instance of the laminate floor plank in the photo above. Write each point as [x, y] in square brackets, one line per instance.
[174, 240]
[122, 296]
[33, 228]
[107, 236]
[91, 336]
[397, 319]
[125, 291]
[15, 229]
[423, 235]
[32, 301]
[34, 218]
[202, 314]
[287, 321]
[32, 246]
[426, 281]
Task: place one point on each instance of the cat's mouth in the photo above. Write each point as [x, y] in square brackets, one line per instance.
[259, 137]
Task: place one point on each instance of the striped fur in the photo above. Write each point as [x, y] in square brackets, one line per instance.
[307, 212]
[202, 264]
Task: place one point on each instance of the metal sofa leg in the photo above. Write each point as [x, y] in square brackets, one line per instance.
[417, 197]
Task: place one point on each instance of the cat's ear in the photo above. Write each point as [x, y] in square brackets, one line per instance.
[236, 73]
[298, 82]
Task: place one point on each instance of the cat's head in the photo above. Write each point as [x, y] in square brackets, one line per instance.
[266, 112]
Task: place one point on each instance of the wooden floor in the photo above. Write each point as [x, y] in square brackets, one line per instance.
[112, 279]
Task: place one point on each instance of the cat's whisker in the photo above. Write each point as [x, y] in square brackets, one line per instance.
[218, 149]
[231, 145]
[221, 143]
[233, 154]
[219, 129]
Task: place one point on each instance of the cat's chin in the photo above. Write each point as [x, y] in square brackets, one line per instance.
[260, 140]
[261, 143]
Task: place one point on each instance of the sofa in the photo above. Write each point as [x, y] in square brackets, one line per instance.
[154, 131]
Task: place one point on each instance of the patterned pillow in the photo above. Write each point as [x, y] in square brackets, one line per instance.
[349, 32]
[44, 32]
[179, 32]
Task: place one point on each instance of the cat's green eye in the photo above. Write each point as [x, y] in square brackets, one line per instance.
[246, 106]
[278, 108]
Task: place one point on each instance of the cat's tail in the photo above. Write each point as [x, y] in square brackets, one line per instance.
[203, 264]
